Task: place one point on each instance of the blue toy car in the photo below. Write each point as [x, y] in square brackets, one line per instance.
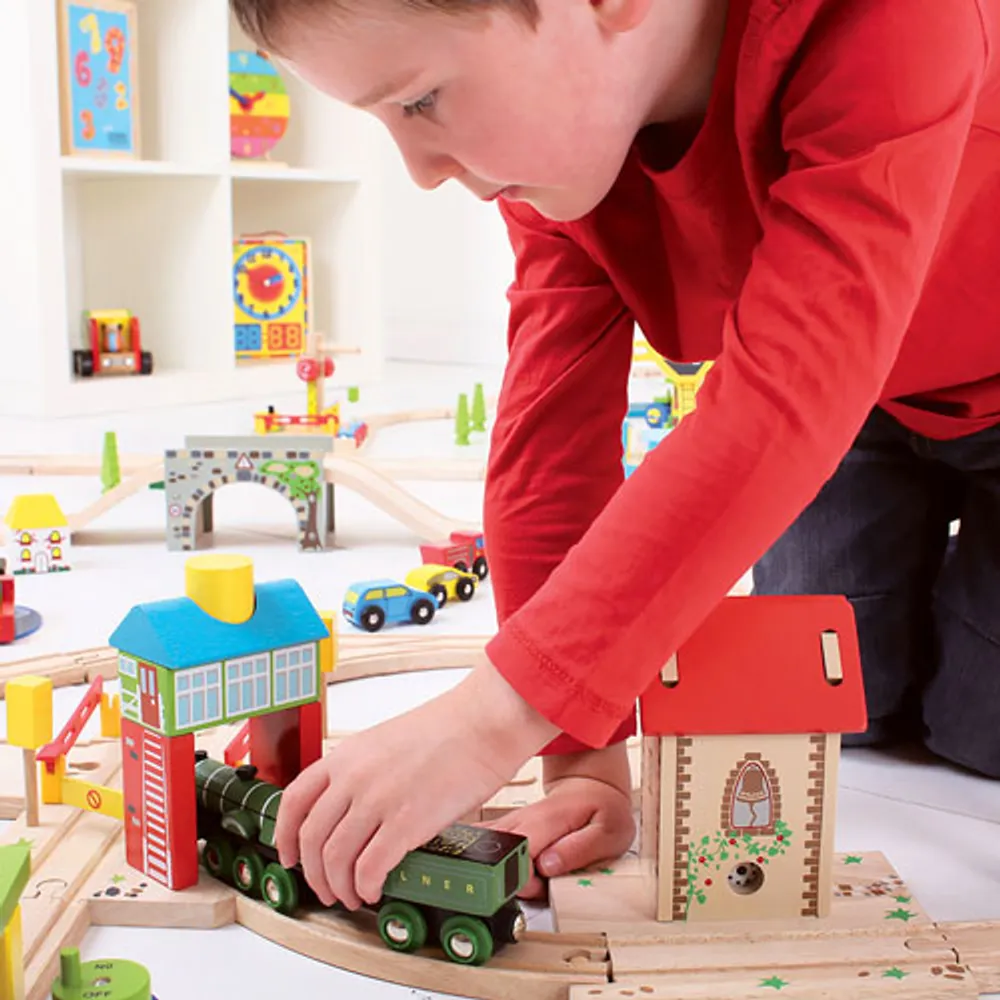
[370, 604]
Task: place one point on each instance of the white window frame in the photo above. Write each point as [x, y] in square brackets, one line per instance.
[188, 694]
[128, 666]
[304, 671]
[261, 663]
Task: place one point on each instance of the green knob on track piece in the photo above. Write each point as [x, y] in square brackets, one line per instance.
[103, 979]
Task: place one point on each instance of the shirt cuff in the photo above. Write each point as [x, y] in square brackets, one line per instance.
[584, 716]
[564, 743]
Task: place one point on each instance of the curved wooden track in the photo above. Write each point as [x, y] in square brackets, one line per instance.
[375, 481]
[609, 947]
[367, 480]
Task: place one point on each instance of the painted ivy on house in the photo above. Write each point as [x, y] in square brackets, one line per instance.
[725, 847]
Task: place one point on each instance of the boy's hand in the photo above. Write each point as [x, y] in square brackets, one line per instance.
[352, 816]
[586, 815]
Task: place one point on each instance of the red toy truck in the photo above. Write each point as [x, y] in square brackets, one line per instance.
[465, 550]
[114, 345]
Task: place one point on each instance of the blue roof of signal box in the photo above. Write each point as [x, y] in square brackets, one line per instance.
[177, 634]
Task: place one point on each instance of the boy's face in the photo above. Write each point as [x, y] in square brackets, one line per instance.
[544, 116]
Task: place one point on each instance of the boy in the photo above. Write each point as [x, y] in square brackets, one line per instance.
[806, 191]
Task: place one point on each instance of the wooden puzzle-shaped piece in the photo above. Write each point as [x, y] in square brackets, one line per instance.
[48, 889]
[850, 981]
[619, 899]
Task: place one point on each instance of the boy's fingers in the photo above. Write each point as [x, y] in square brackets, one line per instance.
[534, 888]
[545, 822]
[319, 825]
[581, 848]
[383, 852]
[296, 802]
[340, 855]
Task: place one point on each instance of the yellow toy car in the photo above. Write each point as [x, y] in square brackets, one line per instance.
[443, 582]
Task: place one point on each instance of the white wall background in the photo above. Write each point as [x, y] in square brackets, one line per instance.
[446, 265]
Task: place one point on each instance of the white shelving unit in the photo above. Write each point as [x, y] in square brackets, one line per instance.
[155, 235]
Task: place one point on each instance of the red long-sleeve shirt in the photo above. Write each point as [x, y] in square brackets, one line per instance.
[832, 239]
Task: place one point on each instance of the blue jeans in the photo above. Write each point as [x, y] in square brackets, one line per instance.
[927, 604]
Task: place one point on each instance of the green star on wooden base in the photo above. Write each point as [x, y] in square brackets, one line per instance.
[774, 983]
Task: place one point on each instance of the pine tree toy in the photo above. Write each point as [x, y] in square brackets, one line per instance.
[478, 408]
[111, 474]
[462, 420]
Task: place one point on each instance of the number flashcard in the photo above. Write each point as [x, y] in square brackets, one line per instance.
[99, 76]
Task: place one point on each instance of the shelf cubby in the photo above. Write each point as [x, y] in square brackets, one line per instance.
[157, 246]
[154, 234]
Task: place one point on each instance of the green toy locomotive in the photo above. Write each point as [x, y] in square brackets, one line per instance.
[460, 888]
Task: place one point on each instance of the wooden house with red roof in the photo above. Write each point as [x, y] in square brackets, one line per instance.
[741, 746]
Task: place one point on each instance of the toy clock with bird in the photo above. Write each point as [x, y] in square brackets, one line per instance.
[271, 296]
[259, 106]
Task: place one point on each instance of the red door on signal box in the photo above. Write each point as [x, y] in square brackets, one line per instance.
[150, 695]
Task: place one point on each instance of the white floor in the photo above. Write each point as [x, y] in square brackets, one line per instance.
[936, 824]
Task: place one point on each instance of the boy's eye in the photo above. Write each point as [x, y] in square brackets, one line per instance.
[421, 106]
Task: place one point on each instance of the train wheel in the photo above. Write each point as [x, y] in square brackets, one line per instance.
[465, 589]
[467, 940]
[402, 926]
[480, 568]
[280, 889]
[248, 870]
[218, 857]
[509, 924]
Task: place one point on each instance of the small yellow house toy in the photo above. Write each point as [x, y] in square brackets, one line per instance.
[39, 534]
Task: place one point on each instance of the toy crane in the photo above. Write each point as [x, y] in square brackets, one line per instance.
[314, 366]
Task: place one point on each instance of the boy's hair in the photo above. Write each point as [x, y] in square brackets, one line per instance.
[263, 20]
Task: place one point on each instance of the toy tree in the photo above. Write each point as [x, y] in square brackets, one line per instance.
[304, 481]
[353, 393]
[478, 408]
[111, 474]
[462, 420]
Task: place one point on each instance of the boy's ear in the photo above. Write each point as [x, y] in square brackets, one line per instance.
[619, 16]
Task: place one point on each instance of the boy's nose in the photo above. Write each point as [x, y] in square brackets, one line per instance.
[430, 170]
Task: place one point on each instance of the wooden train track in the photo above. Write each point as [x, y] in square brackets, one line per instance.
[377, 482]
[877, 942]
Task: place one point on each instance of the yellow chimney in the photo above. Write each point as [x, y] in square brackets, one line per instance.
[222, 586]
